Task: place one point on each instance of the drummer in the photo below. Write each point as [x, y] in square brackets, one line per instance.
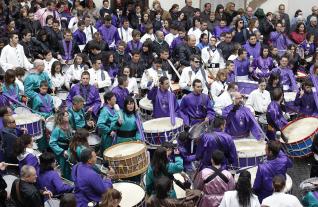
[43, 102]
[4, 101]
[277, 164]
[196, 107]
[89, 92]
[128, 129]
[77, 118]
[240, 121]
[59, 142]
[107, 121]
[9, 87]
[164, 102]
[77, 144]
[306, 101]
[49, 179]
[121, 92]
[275, 118]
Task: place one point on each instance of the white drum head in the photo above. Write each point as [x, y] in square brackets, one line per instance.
[249, 147]
[146, 104]
[124, 149]
[132, 194]
[49, 123]
[62, 95]
[300, 129]
[57, 102]
[93, 139]
[262, 119]
[161, 125]
[52, 203]
[22, 110]
[180, 193]
[21, 119]
[9, 179]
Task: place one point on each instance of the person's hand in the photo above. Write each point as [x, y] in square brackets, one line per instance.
[301, 93]
[3, 166]
[251, 69]
[65, 154]
[113, 134]
[48, 193]
[111, 173]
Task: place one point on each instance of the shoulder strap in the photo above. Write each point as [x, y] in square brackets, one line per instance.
[102, 74]
[17, 190]
[217, 172]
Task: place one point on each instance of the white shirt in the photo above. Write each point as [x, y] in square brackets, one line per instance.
[230, 199]
[74, 73]
[232, 57]
[281, 199]
[58, 81]
[259, 101]
[14, 57]
[20, 85]
[48, 65]
[222, 101]
[216, 89]
[132, 85]
[197, 33]
[170, 37]
[147, 36]
[151, 73]
[216, 57]
[185, 79]
[96, 77]
[125, 35]
[88, 32]
[72, 25]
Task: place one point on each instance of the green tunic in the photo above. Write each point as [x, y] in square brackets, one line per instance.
[309, 200]
[59, 142]
[38, 105]
[128, 125]
[13, 91]
[77, 118]
[32, 82]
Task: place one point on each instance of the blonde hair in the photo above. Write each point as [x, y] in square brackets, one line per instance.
[109, 196]
[220, 73]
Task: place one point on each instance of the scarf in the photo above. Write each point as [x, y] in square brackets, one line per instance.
[160, 96]
[67, 50]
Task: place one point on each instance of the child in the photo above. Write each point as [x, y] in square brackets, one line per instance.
[57, 77]
[43, 102]
[135, 42]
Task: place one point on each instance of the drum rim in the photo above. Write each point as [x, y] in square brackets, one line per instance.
[163, 130]
[29, 122]
[149, 108]
[302, 139]
[125, 156]
[249, 140]
[144, 198]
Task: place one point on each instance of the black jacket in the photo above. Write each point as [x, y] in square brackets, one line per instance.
[30, 195]
[185, 52]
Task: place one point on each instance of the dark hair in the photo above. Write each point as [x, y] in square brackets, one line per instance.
[134, 52]
[80, 23]
[85, 72]
[202, 36]
[46, 161]
[217, 157]
[54, 65]
[121, 80]
[243, 188]
[3, 110]
[157, 61]
[162, 79]
[108, 96]
[19, 71]
[109, 196]
[162, 187]
[44, 83]
[21, 143]
[298, 25]
[277, 94]
[86, 155]
[183, 136]
[262, 80]
[297, 12]
[194, 20]
[279, 183]
[127, 101]
[218, 122]
[272, 77]
[107, 18]
[231, 86]
[68, 200]
[135, 32]
[241, 51]
[274, 147]
[25, 32]
[159, 161]
[80, 138]
[308, 82]
[196, 81]
[8, 76]
[48, 18]
[262, 50]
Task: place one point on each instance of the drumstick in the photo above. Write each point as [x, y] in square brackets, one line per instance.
[11, 164]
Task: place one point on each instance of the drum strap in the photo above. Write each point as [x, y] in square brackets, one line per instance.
[217, 172]
[17, 190]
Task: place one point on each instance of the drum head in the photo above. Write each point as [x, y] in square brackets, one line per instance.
[300, 129]
[146, 104]
[22, 119]
[180, 193]
[52, 203]
[132, 194]
[93, 139]
[249, 148]
[62, 95]
[309, 184]
[22, 110]
[197, 130]
[49, 123]
[57, 102]
[124, 149]
[9, 179]
[161, 125]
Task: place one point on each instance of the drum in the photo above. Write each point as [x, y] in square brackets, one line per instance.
[62, 95]
[53, 202]
[22, 110]
[300, 134]
[57, 102]
[146, 108]
[253, 171]
[246, 87]
[309, 184]
[9, 179]
[32, 122]
[262, 120]
[132, 194]
[94, 141]
[160, 130]
[250, 152]
[128, 159]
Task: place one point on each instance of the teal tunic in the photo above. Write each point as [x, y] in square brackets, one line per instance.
[172, 168]
[38, 105]
[106, 123]
[13, 91]
[309, 200]
[59, 142]
[78, 151]
[77, 118]
[129, 124]
[32, 82]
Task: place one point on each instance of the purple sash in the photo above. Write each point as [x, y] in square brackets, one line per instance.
[67, 50]
[139, 126]
[314, 79]
[315, 194]
[12, 92]
[46, 106]
[171, 105]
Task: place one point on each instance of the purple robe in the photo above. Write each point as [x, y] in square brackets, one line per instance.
[240, 123]
[309, 49]
[280, 41]
[185, 153]
[89, 186]
[160, 102]
[230, 77]
[264, 65]
[263, 186]
[275, 119]
[287, 78]
[79, 37]
[29, 159]
[165, 31]
[132, 45]
[110, 35]
[195, 108]
[90, 95]
[121, 94]
[53, 182]
[241, 67]
[314, 79]
[4, 101]
[253, 50]
[176, 41]
[112, 71]
[209, 143]
[307, 104]
[217, 31]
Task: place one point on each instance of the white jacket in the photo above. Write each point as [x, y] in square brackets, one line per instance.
[185, 78]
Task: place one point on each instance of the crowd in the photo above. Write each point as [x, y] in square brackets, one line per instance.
[218, 72]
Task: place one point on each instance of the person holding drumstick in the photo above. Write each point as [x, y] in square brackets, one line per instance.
[10, 88]
[59, 142]
[121, 92]
[43, 102]
[77, 144]
[305, 99]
